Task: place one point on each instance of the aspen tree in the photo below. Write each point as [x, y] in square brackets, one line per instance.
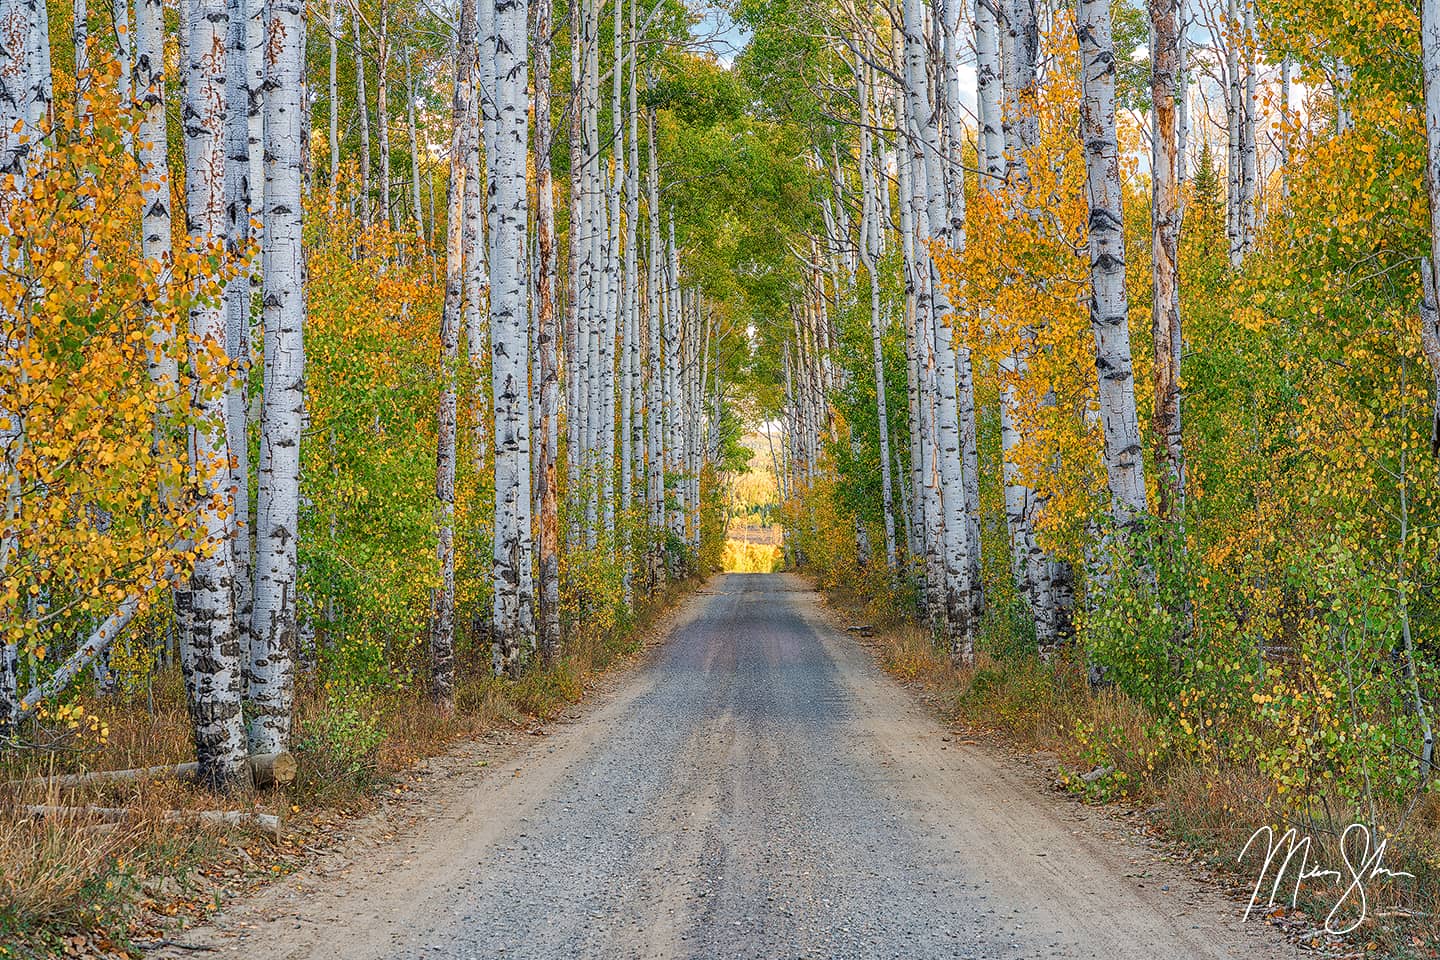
[1235, 202]
[242, 95]
[211, 651]
[1109, 305]
[362, 111]
[473, 253]
[673, 399]
[416, 209]
[382, 112]
[1023, 504]
[630, 420]
[655, 395]
[869, 231]
[25, 104]
[1165, 256]
[615, 327]
[155, 224]
[442, 623]
[932, 221]
[514, 624]
[334, 25]
[547, 429]
[275, 631]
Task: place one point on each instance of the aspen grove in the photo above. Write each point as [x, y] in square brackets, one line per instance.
[304, 378]
[367, 349]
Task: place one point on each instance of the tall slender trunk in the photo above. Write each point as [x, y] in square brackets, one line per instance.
[80, 44]
[547, 343]
[242, 95]
[674, 401]
[868, 255]
[578, 262]
[655, 388]
[474, 255]
[930, 530]
[442, 623]
[362, 110]
[1234, 130]
[335, 24]
[1249, 212]
[1023, 504]
[1109, 304]
[1165, 258]
[932, 220]
[415, 208]
[155, 224]
[1344, 120]
[1286, 67]
[382, 113]
[514, 623]
[1182, 90]
[919, 554]
[275, 633]
[615, 316]
[124, 60]
[211, 654]
[25, 104]
[628, 186]
[954, 174]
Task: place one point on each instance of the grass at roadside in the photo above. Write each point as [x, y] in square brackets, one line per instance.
[1109, 750]
[72, 886]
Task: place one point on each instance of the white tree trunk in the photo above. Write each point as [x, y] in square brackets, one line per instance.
[1248, 147]
[514, 623]
[242, 95]
[1344, 121]
[1165, 256]
[1286, 67]
[416, 209]
[931, 219]
[1234, 141]
[1182, 89]
[335, 24]
[674, 400]
[1430, 64]
[990, 96]
[155, 223]
[211, 653]
[655, 387]
[442, 623]
[1109, 305]
[919, 548]
[282, 417]
[382, 116]
[362, 108]
[1035, 570]
[25, 100]
[954, 176]
[630, 422]
[547, 344]
[474, 257]
[869, 213]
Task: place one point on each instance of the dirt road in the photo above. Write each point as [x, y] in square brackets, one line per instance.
[760, 790]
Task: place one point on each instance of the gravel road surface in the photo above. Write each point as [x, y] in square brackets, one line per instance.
[758, 790]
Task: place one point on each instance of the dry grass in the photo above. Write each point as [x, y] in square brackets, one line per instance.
[1209, 808]
[69, 876]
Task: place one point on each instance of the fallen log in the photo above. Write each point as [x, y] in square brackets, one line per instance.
[266, 769]
[268, 822]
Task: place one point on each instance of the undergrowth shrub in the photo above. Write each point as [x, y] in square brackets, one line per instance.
[338, 743]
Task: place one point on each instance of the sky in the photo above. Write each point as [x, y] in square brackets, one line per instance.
[716, 32]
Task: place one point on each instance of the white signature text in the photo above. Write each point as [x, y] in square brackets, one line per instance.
[1289, 862]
